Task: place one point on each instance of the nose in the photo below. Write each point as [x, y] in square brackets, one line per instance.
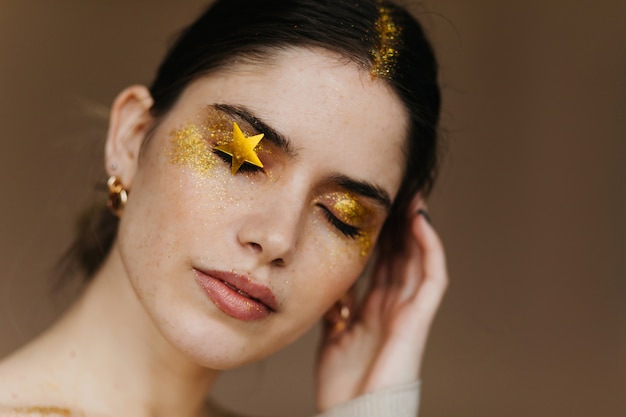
[271, 233]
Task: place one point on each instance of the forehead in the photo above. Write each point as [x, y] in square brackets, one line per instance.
[338, 117]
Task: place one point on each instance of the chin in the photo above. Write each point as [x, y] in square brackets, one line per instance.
[216, 345]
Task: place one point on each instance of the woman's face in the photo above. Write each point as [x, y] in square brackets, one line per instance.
[232, 267]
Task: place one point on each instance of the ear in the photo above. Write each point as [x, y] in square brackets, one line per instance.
[129, 123]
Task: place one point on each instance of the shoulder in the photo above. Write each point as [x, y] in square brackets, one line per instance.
[398, 401]
[215, 410]
[37, 411]
[29, 387]
[24, 396]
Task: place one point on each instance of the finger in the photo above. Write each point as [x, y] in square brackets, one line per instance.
[434, 271]
[432, 248]
[412, 271]
[370, 311]
[371, 315]
[380, 295]
[380, 270]
[391, 256]
[400, 272]
[417, 203]
[411, 274]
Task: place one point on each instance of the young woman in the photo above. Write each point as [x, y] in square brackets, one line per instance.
[283, 147]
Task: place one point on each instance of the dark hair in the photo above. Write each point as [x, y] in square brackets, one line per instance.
[252, 29]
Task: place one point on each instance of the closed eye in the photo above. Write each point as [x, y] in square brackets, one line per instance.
[245, 168]
[349, 231]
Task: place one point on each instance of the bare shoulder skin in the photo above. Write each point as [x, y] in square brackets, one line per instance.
[36, 411]
[26, 392]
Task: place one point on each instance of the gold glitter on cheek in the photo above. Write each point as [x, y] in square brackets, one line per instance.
[190, 149]
[365, 243]
[338, 251]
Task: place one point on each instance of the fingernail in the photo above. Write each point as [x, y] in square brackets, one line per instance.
[426, 216]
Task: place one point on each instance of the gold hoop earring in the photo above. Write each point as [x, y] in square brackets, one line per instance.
[117, 195]
[339, 316]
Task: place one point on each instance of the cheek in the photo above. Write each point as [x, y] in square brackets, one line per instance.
[189, 148]
[332, 265]
[325, 270]
[164, 209]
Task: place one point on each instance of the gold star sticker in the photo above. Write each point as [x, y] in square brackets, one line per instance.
[241, 148]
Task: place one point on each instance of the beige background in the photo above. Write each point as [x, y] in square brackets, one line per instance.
[531, 199]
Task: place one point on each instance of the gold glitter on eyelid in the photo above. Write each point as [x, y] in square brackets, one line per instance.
[346, 207]
[192, 144]
[348, 210]
[192, 150]
[385, 55]
[218, 126]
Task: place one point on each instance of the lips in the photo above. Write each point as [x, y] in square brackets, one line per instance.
[237, 295]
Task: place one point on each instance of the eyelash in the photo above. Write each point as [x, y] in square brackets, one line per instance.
[245, 168]
[349, 231]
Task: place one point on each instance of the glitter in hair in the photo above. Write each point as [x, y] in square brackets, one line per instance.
[385, 55]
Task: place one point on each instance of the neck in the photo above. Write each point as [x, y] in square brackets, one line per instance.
[107, 344]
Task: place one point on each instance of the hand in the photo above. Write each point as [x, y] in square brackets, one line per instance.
[384, 345]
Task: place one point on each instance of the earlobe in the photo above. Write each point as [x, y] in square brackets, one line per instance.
[130, 120]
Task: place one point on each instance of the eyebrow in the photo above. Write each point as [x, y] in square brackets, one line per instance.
[272, 135]
[364, 188]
